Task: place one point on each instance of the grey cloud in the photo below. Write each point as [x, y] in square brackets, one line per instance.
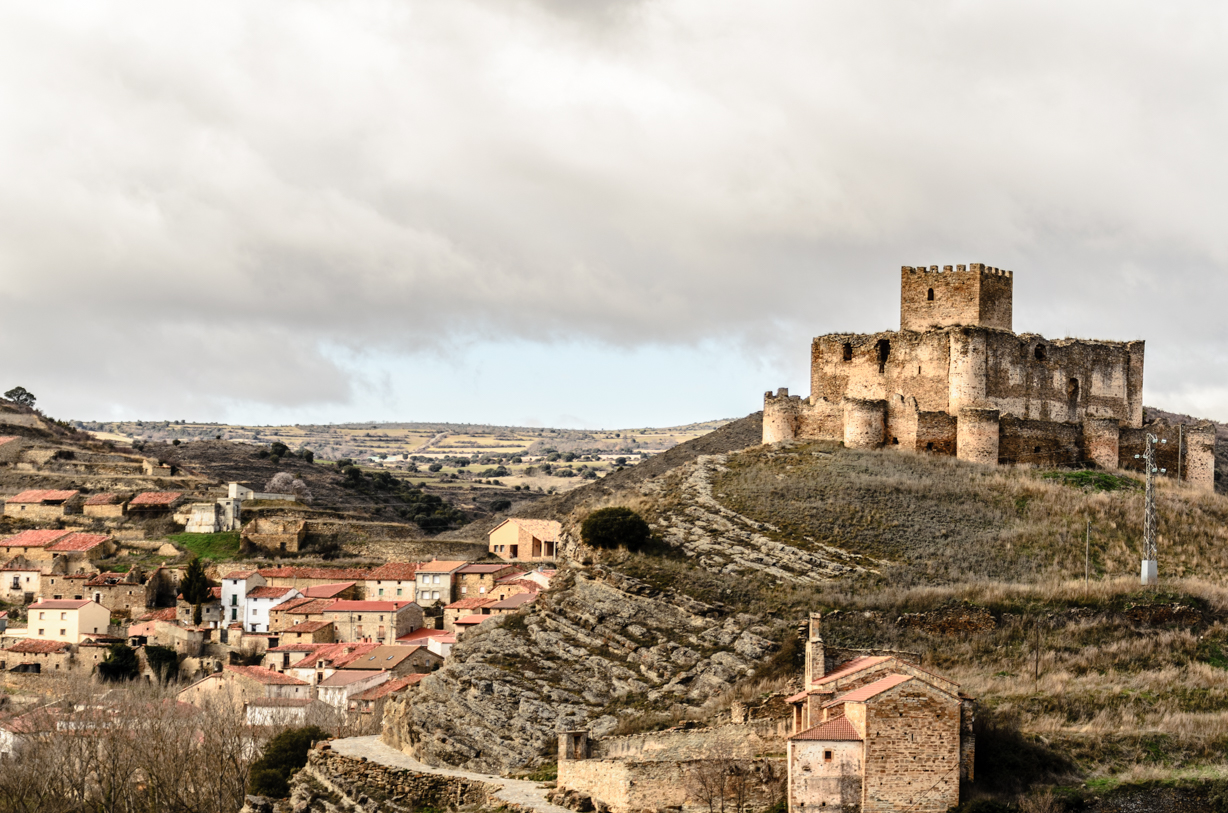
[228, 195]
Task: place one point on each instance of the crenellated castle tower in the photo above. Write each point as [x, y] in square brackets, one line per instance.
[956, 380]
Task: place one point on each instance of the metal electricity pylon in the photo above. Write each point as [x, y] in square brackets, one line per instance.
[1149, 573]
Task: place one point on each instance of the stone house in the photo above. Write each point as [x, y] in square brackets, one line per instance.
[309, 632]
[394, 580]
[211, 611]
[37, 656]
[203, 518]
[121, 593]
[879, 731]
[273, 535]
[436, 582]
[472, 606]
[399, 660]
[66, 620]
[246, 683]
[294, 612]
[304, 577]
[438, 641]
[510, 604]
[480, 579]
[313, 663]
[374, 621]
[342, 590]
[186, 641]
[20, 581]
[58, 585]
[155, 503]
[43, 504]
[525, 540]
[156, 468]
[105, 506]
[80, 548]
[371, 702]
[337, 689]
[32, 545]
[281, 712]
[512, 586]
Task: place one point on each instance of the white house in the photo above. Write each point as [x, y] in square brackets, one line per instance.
[235, 587]
[260, 601]
[337, 689]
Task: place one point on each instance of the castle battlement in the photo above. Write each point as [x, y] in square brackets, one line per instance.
[973, 268]
[957, 380]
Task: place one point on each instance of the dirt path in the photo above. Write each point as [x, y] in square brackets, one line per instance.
[515, 791]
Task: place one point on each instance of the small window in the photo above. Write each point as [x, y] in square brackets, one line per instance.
[827, 754]
[930, 296]
[895, 441]
[1039, 352]
[929, 447]
[1035, 450]
[884, 351]
[848, 351]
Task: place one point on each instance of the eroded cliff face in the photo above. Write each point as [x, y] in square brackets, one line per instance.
[595, 641]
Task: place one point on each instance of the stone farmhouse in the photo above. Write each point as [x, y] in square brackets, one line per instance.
[525, 540]
[105, 506]
[43, 504]
[957, 380]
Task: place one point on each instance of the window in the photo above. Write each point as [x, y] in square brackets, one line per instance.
[234, 615]
[884, 350]
[481, 589]
[827, 754]
[234, 599]
[435, 594]
[41, 631]
[42, 616]
[63, 632]
[848, 351]
[464, 589]
[63, 616]
[381, 591]
[436, 580]
[1039, 352]
[930, 295]
[398, 591]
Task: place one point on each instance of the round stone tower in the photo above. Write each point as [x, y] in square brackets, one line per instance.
[976, 435]
[1102, 441]
[865, 423]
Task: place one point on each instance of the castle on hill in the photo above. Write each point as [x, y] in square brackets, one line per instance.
[957, 380]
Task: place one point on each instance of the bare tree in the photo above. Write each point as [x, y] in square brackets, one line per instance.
[707, 782]
[280, 483]
[301, 491]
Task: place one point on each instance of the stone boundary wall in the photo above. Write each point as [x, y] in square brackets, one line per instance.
[622, 787]
[736, 741]
[396, 789]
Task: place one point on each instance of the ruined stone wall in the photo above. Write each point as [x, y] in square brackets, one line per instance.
[876, 366]
[742, 741]
[625, 786]
[1101, 441]
[780, 415]
[1039, 443]
[1030, 377]
[1194, 444]
[912, 751]
[964, 295]
[936, 433]
[977, 435]
[405, 789]
[865, 423]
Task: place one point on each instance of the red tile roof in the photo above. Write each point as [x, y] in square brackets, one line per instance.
[332, 574]
[394, 571]
[345, 678]
[269, 592]
[512, 602]
[155, 498]
[471, 620]
[855, 665]
[532, 587]
[382, 658]
[32, 646]
[108, 578]
[42, 495]
[388, 687]
[483, 568]
[265, 676]
[165, 614]
[837, 730]
[78, 543]
[240, 575]
[366, 606]
[440, 567]
[308, 606]
[870, 690]
[308, 626]
[327, 590]
[60, 604]
[471, 603]
[33, 539]
[106, 498]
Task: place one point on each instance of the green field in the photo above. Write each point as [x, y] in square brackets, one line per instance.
[211, 547]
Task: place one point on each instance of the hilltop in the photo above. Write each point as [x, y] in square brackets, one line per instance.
[966, 564]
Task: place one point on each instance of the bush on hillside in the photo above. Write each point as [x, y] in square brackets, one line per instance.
[615, 528]
[120, 664]
[282, 758]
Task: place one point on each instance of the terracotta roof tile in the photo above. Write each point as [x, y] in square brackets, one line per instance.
[394, 571]
[870, 690]
[269, 592]
[345, 678]
[155, 498]
[388, 687]
[106, 498]
[367, 606]
[471, 620]
[837, 730]
[512, 602]
[60, 604]
[240, 575]
[78, 543]
[332, 574]
[32, 646]
[440, 566]
[33, 539]
[310, 606]
[7, 439]
[483, 568]
[381, 658]
[265, 676]
[165, 614]
[471, 603]
[855, 665]
[309, 626]
[42, 495]
[327, 590]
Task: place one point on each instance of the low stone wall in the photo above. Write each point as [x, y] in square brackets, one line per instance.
[621, 786]
[396, 789]
[742, 741]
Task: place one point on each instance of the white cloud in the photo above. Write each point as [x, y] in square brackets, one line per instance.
[227, 208]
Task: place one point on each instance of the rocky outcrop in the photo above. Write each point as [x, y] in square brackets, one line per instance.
[597, 645]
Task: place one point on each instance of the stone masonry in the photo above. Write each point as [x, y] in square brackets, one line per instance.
[956, 380]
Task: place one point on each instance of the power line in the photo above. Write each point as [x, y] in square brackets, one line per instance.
[1149, 573]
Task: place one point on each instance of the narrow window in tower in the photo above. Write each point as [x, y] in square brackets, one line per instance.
[930, 295]
[1040, 352]
[929, 447]
[848, 351]
[884, 350]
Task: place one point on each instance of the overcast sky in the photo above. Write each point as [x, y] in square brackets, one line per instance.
[586, 212]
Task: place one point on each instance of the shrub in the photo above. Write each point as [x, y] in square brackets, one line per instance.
[615, 528]
[120, 664]
[282, 758]
[163, 661]
[500, 505]
[435, 467]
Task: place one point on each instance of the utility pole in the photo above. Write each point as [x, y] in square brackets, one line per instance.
[1087, 556]
[1180, 448]
[1150, 571]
